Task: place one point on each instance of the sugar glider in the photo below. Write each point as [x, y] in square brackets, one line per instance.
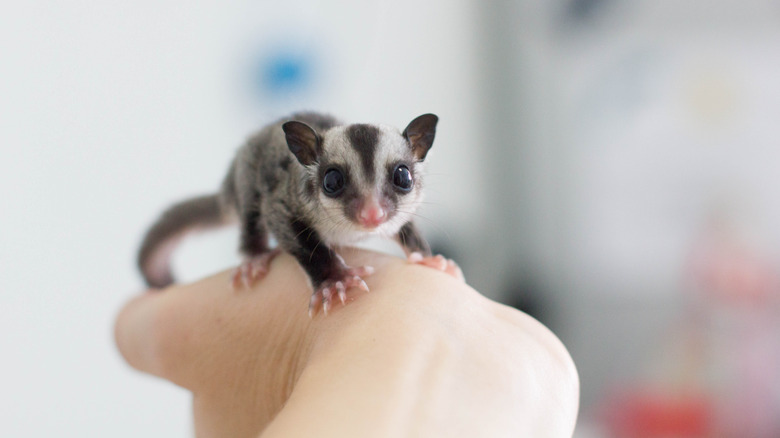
[315, 184]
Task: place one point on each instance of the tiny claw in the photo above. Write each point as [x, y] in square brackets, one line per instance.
[253, 269]
[362, 271]
[314, 305]
[326, 293]
[442, 262]
[361, 283]
[415, 257]
[246, 277]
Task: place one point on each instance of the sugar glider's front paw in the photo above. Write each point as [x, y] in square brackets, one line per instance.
[326, 293]
[253, 269]
[438, 262]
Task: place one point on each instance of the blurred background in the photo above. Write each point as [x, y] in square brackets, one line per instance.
[610, 167]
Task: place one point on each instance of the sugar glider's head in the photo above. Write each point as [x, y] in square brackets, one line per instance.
[362, 178]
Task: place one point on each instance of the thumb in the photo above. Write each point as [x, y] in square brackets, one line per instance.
[193, 334]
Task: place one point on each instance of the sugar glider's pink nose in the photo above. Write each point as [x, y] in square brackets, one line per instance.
[372, 215]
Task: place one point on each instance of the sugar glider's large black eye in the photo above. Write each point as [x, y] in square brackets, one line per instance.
[402, 178]
[333, 183]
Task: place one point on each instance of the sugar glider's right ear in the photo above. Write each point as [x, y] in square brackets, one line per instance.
[303, 142]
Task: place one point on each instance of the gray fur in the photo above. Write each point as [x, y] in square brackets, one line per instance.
[269, 191]
[189, 215]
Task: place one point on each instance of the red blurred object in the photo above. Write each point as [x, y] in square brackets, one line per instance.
[655, 414]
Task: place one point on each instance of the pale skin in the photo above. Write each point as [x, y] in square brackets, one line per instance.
[421, 354]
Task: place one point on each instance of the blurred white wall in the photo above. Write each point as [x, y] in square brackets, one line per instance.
[109, 111]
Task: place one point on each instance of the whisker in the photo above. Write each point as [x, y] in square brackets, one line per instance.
[430, 221]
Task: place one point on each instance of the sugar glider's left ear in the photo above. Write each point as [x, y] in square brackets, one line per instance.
[420, 133]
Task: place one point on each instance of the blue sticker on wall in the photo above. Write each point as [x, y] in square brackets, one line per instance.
[284, 73]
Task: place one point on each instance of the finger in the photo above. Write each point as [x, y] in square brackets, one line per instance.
[134, 331]
[164, 332]
[168, 333]
[181, 332]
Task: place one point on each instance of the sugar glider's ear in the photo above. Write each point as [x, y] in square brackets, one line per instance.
[420, 133]
[303, 142]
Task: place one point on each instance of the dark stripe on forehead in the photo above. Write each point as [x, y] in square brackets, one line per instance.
[364, 139]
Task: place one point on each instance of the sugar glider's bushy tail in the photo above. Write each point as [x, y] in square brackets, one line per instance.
[162, 238]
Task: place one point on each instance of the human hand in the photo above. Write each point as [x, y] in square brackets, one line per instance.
[422, 354]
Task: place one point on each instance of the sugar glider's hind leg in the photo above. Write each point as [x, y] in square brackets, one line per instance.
[162, 238]
[254, 243]
[418, 252]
